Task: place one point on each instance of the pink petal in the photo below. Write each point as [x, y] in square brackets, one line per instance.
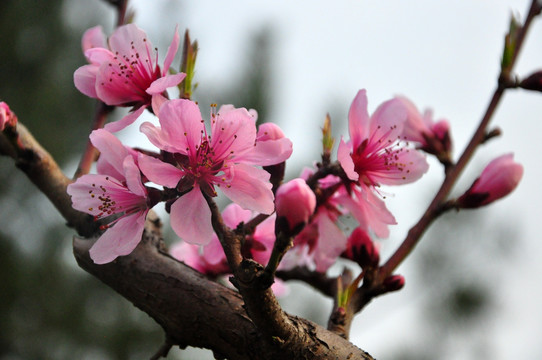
[159, 172]
[181, 127]
[125, 121]
[156, 103]
[268, 152]
[112, 153]
[233, 215]
[129, 39]
[97, 56]
[331, 243]
[84, 79]
[188, 254]
[191, 218]
[234, 131]
[133, 177]
[121, 239]
[79, 192]
[343, 155]
[369, 211]
[412, 165]
[213, 253]
[160, 85]
[387, 123]
[171, 51]
[358, 119]
[250, 188]
[93, 38]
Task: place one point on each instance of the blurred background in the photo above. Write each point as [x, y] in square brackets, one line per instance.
[473, 288]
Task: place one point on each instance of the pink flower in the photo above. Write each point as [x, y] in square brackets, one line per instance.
[434, 138]
[199, 162]
[323, 239]
[118, 196]
[499, 178]
[211, 260]
[7, 117]
[126, 73]
[374, 155]
[296, 202]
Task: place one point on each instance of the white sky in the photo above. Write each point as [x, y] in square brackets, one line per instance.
[441, 54]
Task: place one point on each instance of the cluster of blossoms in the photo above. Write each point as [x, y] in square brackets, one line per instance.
[194, 161]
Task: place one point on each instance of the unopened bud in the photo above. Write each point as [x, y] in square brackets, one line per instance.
[296, 202]
[361, 249]
[532, 82]
[498, 179]
[394, 282]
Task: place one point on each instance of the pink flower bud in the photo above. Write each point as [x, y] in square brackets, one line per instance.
[499, 178]
[295, 201]
[361, 249]
[7, 117]
[532, 82]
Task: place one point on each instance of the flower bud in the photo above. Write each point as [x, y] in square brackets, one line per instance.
[394, 282]
[295, 201]
[532, 82]
[7, 117]
[361, 249]
[498, 179]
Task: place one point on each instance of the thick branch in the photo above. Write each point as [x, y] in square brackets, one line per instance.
[195, 311]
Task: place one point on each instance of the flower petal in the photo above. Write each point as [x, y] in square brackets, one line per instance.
[269, 152]
[125, 121]
[233, 132]
[121, 239]
[159, 85]
[84, 79]
[171, 51]
[93, 38]
[112, 153]
[250, 188]
[358, 119]
[159, 172]
[387, 123]
[191, 218]
[343, 155]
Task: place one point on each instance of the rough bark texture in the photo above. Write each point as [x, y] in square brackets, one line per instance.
[196, 311]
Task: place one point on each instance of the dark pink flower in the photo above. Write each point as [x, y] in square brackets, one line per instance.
[295, 201]
[116, 196]
[126, 72]
[499, 178]
[202, 162]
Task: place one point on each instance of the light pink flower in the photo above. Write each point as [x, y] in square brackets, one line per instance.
[499, 178]
[7, 117]
[117, 195]
[202, 162]
[126, 72]
[295, 201]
